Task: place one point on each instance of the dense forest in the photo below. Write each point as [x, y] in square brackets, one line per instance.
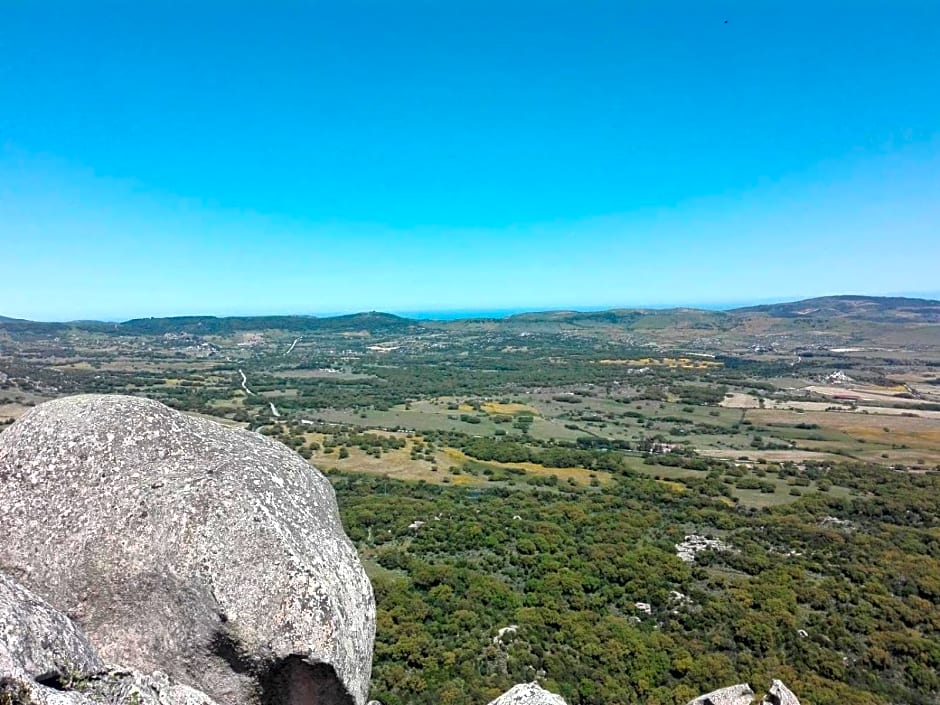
[583, 589]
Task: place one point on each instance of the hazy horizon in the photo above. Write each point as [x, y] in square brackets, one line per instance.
[159, 160]
[460, 313]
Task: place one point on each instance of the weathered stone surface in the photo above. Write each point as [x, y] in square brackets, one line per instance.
[742, 694]
[38, 641]
[779, 694]
[111, 688]
[46, 659]
[179, 545]
[528, 694]
[114, 687]
[127, 686]
[693, 544]
[733, 695]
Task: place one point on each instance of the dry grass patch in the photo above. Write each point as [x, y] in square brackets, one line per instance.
[864, 393]
[580, 475]
[676, 487]
[12, 411]
[775, 456]
[495, 407]
[919, 433]
[74, 366]
[396, 464]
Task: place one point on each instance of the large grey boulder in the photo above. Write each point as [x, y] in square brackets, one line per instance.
[177, 544]
[732, 695]
[528, 694]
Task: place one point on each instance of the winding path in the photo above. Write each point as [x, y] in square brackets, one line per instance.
[245, 382]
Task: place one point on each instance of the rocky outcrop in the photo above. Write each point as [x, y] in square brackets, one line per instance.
[779, 694]
[38, 641]
[732, 695]
[45, 659]
[693, 544]
[742, 694]
[115, 686]
[528, 694]
[179, 545]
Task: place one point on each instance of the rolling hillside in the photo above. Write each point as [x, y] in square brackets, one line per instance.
[841, 310]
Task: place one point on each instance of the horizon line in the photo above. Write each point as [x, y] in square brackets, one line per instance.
[450, 314]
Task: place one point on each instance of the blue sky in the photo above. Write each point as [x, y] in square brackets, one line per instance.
[302, 157]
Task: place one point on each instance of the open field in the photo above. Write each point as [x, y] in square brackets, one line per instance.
[643, 382]
[581, 476]
[496, 408]
[319, 374]
[774, 456]
[668, 362]
[394, 464]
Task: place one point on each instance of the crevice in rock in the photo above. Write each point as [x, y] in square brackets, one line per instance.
[51, 680]
[227, 648]
[295, 681]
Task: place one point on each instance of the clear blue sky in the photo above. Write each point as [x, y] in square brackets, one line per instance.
[171, 158]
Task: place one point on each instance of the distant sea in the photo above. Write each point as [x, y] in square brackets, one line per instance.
[454, 314]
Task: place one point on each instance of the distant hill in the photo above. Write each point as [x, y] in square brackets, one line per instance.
[869, 309]
[20, 325]
[373, 322]
[211, 325]
[631, 319]
[879, 309]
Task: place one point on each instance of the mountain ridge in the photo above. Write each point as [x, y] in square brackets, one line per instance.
[888, 309]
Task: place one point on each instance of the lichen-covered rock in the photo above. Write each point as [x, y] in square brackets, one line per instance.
[113, 687]
[528, 694]
[39, 641]
[128, 686]
[779, 694]
[742, 694]
[177, 544]
[732, 695]
[45, 659]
